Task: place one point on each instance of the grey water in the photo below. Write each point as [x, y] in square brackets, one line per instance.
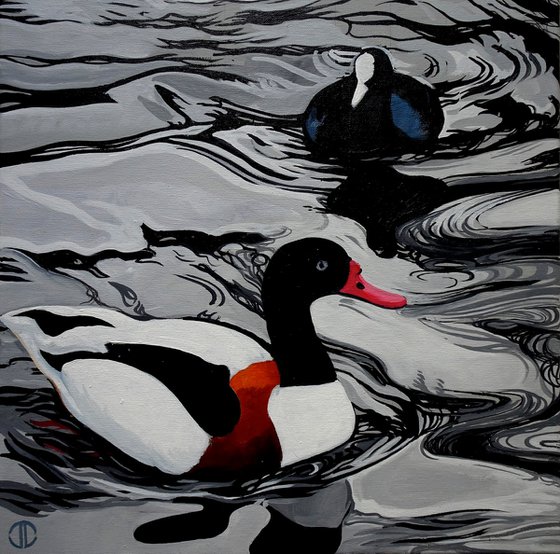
[154, 161]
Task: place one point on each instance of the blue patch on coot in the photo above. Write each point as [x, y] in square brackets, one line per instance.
[406, 118]
[312, 123]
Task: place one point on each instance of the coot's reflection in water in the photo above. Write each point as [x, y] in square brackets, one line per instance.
[381, 198]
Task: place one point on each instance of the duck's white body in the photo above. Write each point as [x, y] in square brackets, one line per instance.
[142, 416]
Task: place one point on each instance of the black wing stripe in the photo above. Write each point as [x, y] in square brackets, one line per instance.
[55, 324]
[203, 388]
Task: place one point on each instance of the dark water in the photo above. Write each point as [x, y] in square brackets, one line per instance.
[153, 163]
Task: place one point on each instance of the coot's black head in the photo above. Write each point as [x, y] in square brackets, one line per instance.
[371, 65]
[305, 270]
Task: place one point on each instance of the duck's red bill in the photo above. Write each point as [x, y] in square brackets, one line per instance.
[358, 287]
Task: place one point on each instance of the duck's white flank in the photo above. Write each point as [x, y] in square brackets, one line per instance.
[135, 412]
[310, 419]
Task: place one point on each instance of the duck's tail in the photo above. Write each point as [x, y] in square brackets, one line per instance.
[47, 331]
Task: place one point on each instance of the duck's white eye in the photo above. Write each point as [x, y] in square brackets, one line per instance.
[322, 265]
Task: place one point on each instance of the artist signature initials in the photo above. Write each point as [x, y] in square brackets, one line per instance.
[22, 534]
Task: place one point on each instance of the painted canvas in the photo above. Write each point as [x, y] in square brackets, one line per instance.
[279, 276]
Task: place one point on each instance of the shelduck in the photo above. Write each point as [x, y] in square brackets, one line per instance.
[188, 396]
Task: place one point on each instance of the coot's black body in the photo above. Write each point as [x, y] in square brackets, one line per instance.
[396, 114]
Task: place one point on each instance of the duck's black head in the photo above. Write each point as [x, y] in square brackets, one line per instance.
[305, 270]
[373, 64]
[308, 269]
[298, 274]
